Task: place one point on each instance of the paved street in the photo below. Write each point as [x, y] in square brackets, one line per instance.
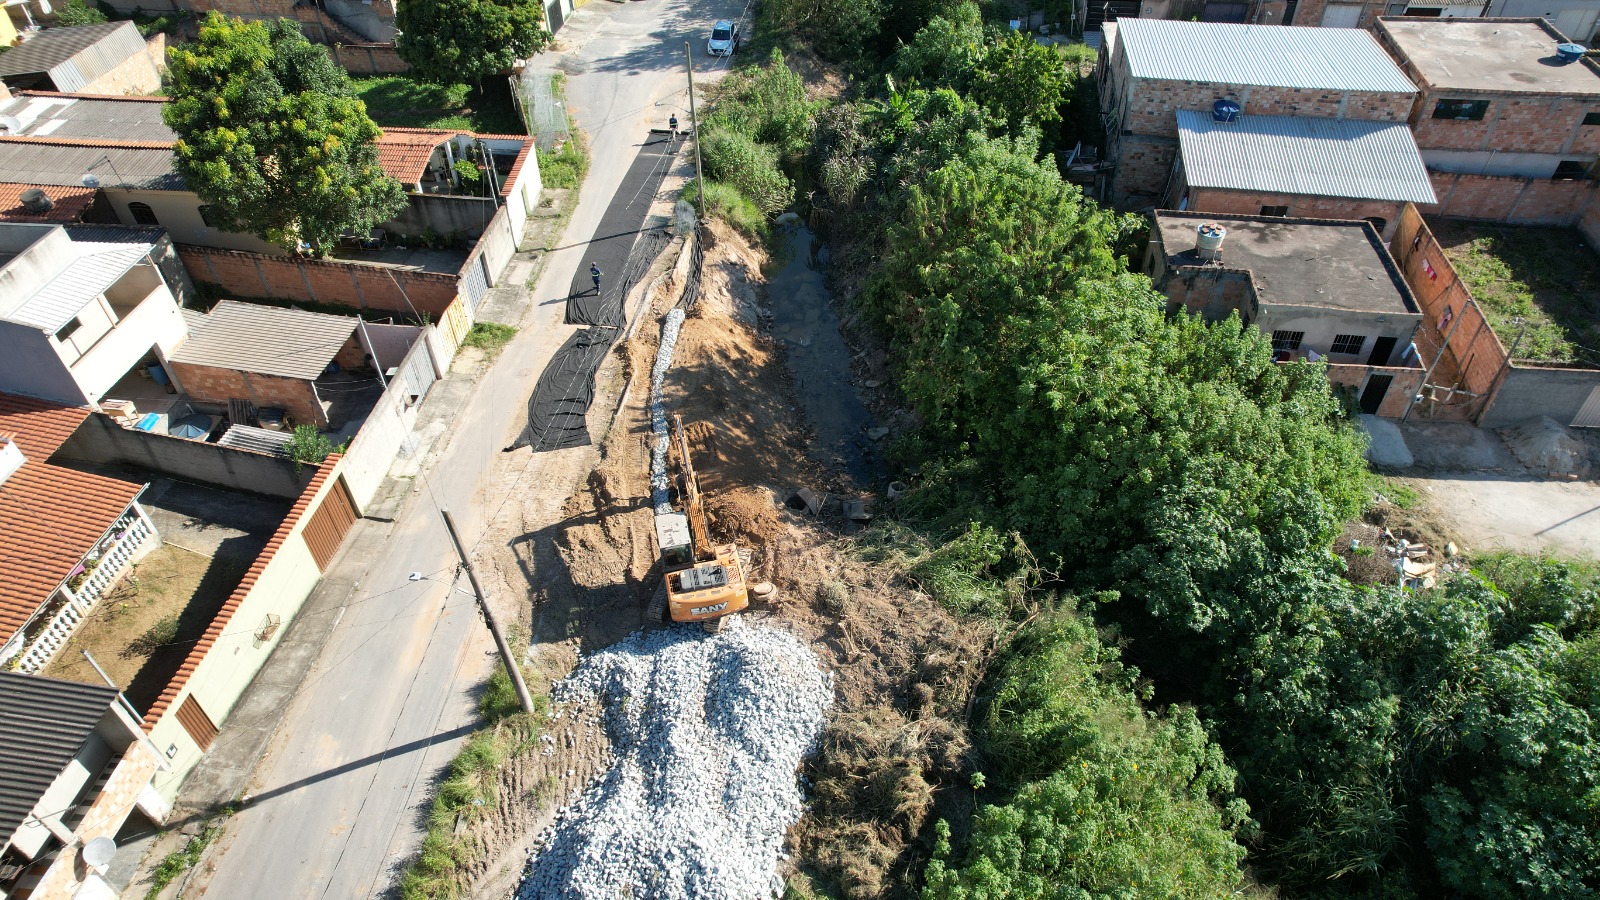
[338, 798]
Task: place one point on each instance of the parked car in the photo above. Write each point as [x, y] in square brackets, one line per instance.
[724, 39]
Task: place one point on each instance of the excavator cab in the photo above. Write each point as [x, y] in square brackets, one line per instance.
[703, 582]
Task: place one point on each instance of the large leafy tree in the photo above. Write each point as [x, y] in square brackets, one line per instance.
[451, 41]
[272, 138]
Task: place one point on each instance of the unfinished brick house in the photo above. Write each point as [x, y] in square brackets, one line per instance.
[1508, 127]
[1150, 69]
[1322, 289]
[1298, 167]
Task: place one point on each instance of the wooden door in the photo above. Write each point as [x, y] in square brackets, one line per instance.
[195, 721]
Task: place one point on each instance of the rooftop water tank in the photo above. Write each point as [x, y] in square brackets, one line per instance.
[1208, 240]
[1570, 52]
[1225, 111]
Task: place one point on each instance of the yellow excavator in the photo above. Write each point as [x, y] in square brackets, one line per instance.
[703, 582]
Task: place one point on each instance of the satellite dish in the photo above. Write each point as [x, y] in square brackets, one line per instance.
[10, 125]
[91, 180]
[99, 852]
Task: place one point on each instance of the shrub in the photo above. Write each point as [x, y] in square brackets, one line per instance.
[308, 446]
[564, 168]
[752, 168]
[76, 12]
[723, 201]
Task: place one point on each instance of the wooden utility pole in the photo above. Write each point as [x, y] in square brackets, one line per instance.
[694, 122]
[512, 667]
[1428, 372]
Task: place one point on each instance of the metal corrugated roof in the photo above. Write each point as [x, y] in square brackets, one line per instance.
[95, 258]
[1331, 59]
[43, 723]
[66, 116]
[269, 340]
[64, 163]
[54, 46]
[259, 440]
[1352, 158]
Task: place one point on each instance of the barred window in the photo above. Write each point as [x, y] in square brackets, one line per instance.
[1348, 343]
[1287, 340]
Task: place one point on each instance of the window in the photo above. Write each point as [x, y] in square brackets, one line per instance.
[1461, 110]
[205, 215]
[1274, 210]
[1379, 223]
[1592, 119]
[1570, 170]
[68, 329]
[1348, 343]
[1287, 340]
[143, 214]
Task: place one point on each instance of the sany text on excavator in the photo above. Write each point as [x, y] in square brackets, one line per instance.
[703, 582]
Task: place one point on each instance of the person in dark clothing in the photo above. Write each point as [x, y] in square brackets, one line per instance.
[673, 124]
[594, 272]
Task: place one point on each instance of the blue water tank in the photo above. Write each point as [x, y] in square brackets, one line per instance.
[1570, 52]
[1225, 111]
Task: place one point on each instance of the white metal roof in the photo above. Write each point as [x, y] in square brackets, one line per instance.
[1352, 158]
[1331, 59]
[270, 340]
[89, 264]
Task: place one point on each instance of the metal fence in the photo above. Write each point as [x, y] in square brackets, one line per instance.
[545, 112]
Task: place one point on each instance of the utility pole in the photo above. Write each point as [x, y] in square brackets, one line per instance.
[512, 668]
[694, 122]
[1428, 372]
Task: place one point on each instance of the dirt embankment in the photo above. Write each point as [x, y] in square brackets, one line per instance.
[904, 668]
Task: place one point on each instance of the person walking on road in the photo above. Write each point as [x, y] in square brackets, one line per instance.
[594, 272]
[672, 123]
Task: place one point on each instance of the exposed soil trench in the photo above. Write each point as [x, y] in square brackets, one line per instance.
[903, 667]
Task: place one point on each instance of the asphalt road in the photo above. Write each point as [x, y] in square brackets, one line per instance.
[339, 799]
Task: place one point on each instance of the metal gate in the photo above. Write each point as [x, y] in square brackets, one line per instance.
[1341, 15]
[328, 525]
[476, 284]
[195, 721]
[1589, 415]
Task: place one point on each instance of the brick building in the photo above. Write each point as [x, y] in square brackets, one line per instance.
[276, 358]
[1297, 167]
[1150, 69]
[1323, 290]
[1509, 130]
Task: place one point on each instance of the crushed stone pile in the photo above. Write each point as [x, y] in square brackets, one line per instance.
[1544, 445]
[660, 499]
[708, 733]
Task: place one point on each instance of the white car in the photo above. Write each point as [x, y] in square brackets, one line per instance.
[724, 39]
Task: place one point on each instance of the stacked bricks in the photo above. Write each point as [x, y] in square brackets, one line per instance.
[1527, 123]
[1153, 104]
[1246, 203]
[1511, 200]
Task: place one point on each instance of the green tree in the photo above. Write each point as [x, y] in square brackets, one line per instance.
[271, 137]
[450, 41]
[1021, 82]
[76, 12]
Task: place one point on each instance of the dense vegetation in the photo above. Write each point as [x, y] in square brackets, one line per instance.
[272, 138]
[1388, 743]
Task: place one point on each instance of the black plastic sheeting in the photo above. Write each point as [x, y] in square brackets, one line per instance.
[620, 246]
[558, 410]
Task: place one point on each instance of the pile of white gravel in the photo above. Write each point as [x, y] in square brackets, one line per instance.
[708, 732]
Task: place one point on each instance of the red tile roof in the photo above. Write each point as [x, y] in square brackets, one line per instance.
[50, 516]
[516, 169]
[404, 152]
[219, 622]
[70, 203]
[132, 98]
[106, 143]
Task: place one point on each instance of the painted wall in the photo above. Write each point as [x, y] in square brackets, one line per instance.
[179, 213]
[155, 322]
[34, 368]
[386, 435]
[1322, 325]
[101, 440]
[223, 664]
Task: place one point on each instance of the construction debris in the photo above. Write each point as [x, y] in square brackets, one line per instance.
[708, 732]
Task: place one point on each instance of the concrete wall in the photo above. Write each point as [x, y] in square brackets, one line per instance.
[34, 368]
[321, 281]
[215, 385]
[1212, 293]
[369, 59]
[1511, 200]
[101, 440]
[179, 213]
[1321, 325]
[155, 322]
[1247, 203]
[1527, 392]
[225, 660]
[386, 435]
[445, 214]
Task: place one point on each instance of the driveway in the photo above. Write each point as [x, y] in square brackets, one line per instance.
[339, 799]
[1530, 515]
